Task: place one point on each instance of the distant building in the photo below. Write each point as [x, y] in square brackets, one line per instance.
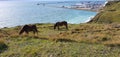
[78, 5]
[88, 5]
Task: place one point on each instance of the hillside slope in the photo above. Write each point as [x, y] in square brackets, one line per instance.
[109, 14]
[81, 40]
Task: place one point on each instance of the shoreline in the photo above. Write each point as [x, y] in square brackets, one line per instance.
[84, 9]
[90, 18]
[30, 24]
[53, 23]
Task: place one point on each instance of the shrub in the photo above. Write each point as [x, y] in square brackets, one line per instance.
[3, 46]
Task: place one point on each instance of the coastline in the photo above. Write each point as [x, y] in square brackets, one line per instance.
[84, 9]
[34, 24]
[89, 19]
[46, 23]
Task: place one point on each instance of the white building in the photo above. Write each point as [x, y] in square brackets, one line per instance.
[78, 5]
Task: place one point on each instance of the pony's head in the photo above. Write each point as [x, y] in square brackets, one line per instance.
[21, 31]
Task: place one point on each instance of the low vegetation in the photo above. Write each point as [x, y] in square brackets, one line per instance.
[109, 14]
[81, 40]
[3, 46]
[96, 39]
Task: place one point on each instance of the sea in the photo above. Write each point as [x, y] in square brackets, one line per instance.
[15, 13]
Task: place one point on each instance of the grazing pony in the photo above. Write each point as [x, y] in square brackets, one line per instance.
[28, 28]
[57, 24]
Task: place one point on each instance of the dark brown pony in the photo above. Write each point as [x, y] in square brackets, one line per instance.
[57, 24]
[28, 28]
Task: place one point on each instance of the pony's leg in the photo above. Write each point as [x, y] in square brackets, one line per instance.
[67, 27]
[34, 32]
[58, 27]
[54, 27]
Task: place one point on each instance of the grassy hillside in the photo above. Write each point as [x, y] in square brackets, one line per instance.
[81, 40]
[109, 14]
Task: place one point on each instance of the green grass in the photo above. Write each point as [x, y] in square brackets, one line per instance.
[81, 40]
[109, 14]
[3, 46]
[32, 47]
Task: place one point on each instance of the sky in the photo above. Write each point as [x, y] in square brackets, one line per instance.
[52, 0]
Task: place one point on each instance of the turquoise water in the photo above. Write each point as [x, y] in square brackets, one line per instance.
[20, 13]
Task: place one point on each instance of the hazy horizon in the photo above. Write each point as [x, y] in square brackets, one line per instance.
[52, 0]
